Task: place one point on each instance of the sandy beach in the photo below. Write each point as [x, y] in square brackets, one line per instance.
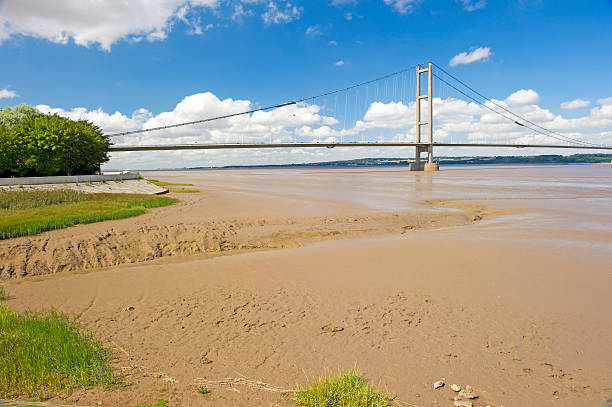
[496, 277]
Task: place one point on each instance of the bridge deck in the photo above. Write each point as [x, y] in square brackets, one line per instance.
[333, 145]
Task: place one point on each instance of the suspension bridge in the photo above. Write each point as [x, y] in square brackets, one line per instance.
[388, 111]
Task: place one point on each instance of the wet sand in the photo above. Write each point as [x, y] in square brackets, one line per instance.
[495, 277]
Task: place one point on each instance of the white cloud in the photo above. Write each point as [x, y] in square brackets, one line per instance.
[282, 15]
[332, 42]
[339, 63]
[455, 120]
[481, 53]
[8, 94]
[605, 101]
[575, 104]
[240, 12]
[402, 6]
[523, 97]
[471, 5]
[314, 30]
[87, 22]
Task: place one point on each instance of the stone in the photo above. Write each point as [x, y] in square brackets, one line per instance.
[463, 403]
[455, 387]
[438, 384]
[468, 393]
[130, 308]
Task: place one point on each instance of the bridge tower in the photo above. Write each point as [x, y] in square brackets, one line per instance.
[425, 147]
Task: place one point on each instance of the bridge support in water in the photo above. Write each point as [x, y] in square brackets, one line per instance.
[430, 165]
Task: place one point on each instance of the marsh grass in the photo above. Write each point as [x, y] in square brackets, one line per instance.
[348, 389]
[27, 199]
[166, 184]
[42, 354]
[31, 212]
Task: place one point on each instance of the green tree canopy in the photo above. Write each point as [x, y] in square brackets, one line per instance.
[51, 145]
[12, 116]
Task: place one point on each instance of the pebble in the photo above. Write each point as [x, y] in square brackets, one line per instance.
[468, 393]
[438, 384]
[455, 387]
[463, 403]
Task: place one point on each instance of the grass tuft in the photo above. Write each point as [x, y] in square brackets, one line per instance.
[347, 389]
[160, 403]
[183, 190]
[165, 184]
[42, 354]
[203, 390]
[2, 293]
[32, 212]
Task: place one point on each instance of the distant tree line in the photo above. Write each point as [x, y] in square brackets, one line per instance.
[35, 144]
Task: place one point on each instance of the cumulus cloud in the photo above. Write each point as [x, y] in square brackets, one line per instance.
[455, 120]
[105, 22]
[339, 63]
[89, 22]
[575, 104]
[463, 58]
[523, 97]
[8, 94]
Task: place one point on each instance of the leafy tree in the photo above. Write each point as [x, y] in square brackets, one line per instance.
[51, 145]
[12, 116]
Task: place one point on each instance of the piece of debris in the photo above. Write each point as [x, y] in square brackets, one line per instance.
[468, 393]
[438, 384]
[332, 329]
[204, 359]
[130, 308]
[455, 387]
[463, 403]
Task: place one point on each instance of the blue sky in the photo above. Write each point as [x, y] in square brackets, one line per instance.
[107, 58]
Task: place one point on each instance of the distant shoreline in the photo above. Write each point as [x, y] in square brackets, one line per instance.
[404, 162]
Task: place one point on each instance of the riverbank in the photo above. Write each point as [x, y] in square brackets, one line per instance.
[508, 296]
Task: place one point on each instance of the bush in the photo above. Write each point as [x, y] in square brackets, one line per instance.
[51, 145]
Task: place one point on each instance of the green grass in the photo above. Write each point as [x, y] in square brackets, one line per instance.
[2, 294]
[347, 389]
[42, 354]
[20, 217]
[165, 184]
[183, 190]
[160, 403]
[203, 390]
[27, 199]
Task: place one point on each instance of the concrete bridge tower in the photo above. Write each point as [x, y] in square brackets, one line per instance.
[430, 165]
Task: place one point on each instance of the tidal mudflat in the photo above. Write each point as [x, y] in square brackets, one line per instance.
[496, 277]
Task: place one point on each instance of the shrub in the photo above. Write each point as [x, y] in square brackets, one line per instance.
[51, 145]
